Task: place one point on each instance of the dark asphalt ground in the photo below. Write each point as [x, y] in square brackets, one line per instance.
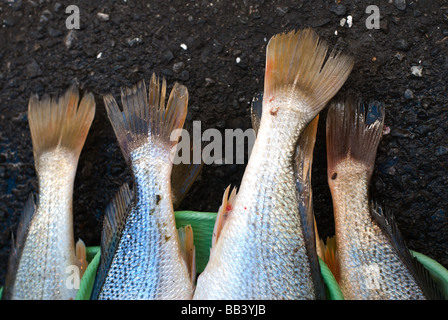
[38, 54]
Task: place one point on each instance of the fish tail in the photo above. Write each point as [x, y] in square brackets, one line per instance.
[145, 116]
[354, 131]
[62, 122]
[297, 67]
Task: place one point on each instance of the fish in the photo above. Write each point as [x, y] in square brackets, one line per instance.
[45, 263]
[372, 260]
[260, 251]
[143, 255]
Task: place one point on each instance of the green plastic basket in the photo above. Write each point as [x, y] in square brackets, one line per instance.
[203, 224]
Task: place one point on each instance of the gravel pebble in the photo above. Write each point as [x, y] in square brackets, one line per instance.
[178, 66]
[33, 70]
[69, 38]
[408, 94]
[338, 9]
[402, 44]
[400, 4]
[102, 16]
[441, 151]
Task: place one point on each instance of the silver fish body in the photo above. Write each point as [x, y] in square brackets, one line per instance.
[143, 256]
[372, 258]
[43, 262]
[261, 251]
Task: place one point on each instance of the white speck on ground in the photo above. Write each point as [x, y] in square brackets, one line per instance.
[417, 71]
[349, 21]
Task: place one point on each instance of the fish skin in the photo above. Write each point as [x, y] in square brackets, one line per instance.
[147, 262]
[370, 266]
[261, 252]
[39, 260]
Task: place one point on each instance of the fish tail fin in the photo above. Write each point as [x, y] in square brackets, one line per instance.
[146, 117]
[186, 241]
[297, 67]
[62, 122]
[354, 131]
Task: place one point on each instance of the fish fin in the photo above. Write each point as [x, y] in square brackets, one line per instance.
[81, 256]
[182, 178]
[319, 243]
[256, 109]
[353, 132]
[188, 250]
[183, 175]
[223, 213]
[387, 223]
[297, 67]
[331, 257]
[303, 160]
[17, 244]
[60, 122]
[145, 116]
[113, 226]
